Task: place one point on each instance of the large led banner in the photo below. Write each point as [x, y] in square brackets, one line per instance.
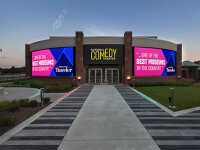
[103, 54]
[53, 62]
[154, 62]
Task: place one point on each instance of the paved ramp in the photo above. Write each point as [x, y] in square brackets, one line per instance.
[106, 122]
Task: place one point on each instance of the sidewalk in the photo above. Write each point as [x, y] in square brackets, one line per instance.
[47, 131]
[107, 122]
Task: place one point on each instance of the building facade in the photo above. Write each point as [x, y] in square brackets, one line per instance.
[103, 59]
[191, 70]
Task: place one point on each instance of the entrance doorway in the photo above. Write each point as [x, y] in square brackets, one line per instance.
[95, 75]
[112, 75]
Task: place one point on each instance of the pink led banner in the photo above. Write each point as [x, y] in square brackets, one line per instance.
[149, 62]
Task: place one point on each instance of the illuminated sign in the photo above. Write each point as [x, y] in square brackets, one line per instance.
[53, 62]
[103, 54]
[154, 62]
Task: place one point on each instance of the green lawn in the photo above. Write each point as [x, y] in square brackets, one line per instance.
[184, 97]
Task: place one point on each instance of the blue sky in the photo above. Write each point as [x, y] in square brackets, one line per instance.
[27, 21]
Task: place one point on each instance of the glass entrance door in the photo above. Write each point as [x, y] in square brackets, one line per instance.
[112, 75]
[95, 75]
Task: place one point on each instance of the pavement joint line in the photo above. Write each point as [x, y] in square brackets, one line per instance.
[76, 97]
[28, 121]
[174, 114]
[112, 140]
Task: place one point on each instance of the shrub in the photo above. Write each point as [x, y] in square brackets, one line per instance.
[27, 103]
[14, 105]
[8, 121]
[33, 103]
[49, 87]
[24, 102]
[4, 105]
[46, 100]
[178, 83]
[57, 87]
[37, 85]
[30, 83]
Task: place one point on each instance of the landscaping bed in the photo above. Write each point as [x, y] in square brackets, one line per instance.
[184, 97]
[49, 87]
[15, 112]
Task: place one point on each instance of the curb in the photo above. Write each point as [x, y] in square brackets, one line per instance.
[20, 126]
[38, 93]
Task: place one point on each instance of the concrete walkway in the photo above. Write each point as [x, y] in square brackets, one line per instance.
[107, 122]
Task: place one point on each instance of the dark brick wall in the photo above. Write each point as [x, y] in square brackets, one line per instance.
[127, 67]
[80, 68]
[179, 60]
[28, 61]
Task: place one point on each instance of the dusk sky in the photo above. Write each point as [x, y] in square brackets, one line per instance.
[27, 21]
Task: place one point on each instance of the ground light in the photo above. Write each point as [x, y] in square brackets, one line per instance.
[128, 78]
[79, 78]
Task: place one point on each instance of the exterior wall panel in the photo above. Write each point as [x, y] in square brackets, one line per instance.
[153, 43]
[53, 43]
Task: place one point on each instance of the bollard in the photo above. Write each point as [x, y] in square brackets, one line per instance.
[74, 82]
[133, 82]
[171, 98]
[41, 96]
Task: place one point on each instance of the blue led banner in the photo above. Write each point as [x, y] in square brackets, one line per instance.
[53, 62]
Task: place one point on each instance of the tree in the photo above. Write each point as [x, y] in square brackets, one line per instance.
[12, 69]
[197, 62]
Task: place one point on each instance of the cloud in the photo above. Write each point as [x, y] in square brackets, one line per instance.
[94, 31]
[64, 11]
[58, 23]
[9, 56]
